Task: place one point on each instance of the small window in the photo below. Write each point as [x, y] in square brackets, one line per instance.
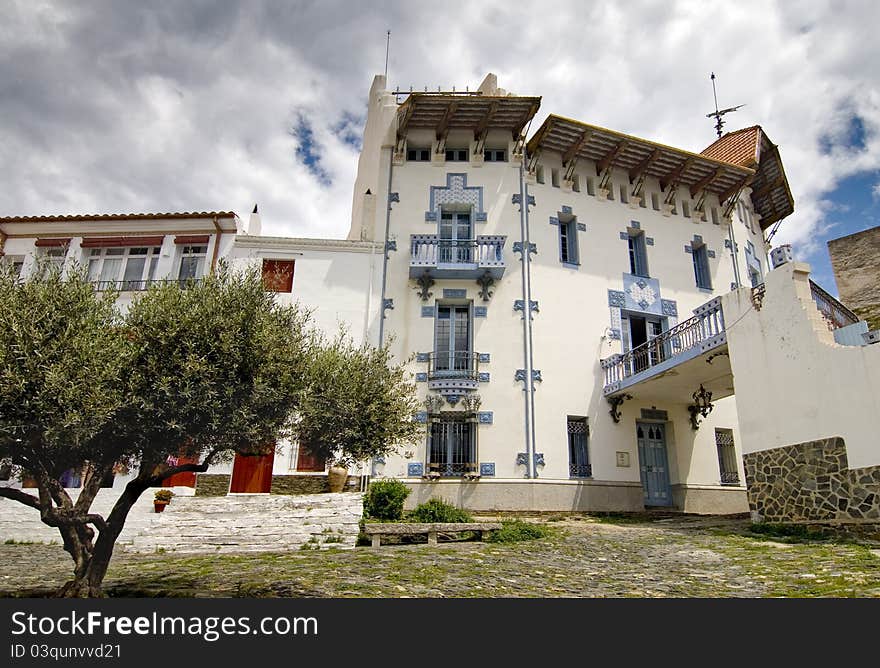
[495, 155]
[192, 263]
[15, 262]
[568, 246]
[714, 214]
[554, 177]
[638, 254]
[576, 183]
[701, 267]
[539, 173]
[578, 450]
[624, 194]
[642, 202]
[610, 195]
[278, 275]
[685, 209]
[307, 461]
[591, 186]
[726, 457]
[655, 201]
[418, 154]
[456, 155]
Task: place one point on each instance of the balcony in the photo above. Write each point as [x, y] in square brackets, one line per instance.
[453, 370]
[456, 258]
[140, 285]
[671, 366]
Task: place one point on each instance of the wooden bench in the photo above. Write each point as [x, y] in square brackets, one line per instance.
[377, 530]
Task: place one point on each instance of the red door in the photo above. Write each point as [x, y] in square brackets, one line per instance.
[185, 479]
[252, 474]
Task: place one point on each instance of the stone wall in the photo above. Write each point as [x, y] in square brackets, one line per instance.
[212, 484]
[811, 481]
[854, 261]
[217, 484]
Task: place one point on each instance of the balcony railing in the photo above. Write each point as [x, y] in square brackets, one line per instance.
[140, 285]
[458, 365]
[836, 314]
[453, 258]
[690, 335]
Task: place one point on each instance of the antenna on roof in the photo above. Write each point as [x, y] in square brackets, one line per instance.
[718, 114]
[387, 49]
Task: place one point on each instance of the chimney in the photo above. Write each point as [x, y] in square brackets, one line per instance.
[255, 225]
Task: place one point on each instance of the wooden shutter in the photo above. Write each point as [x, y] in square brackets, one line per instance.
[306, 460]
[278, 275]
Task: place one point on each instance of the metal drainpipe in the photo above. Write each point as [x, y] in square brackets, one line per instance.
[733, 256]
[527, 319]
[385, 246]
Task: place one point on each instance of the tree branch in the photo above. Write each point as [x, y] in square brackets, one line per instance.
[20, 496]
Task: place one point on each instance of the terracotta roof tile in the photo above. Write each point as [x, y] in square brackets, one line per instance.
[737, 148]
[117, 216]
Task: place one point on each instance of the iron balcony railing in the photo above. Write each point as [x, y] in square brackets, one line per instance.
[427, 250]
[836, 314]
[685, 336]
[453, 364]
[141, 285]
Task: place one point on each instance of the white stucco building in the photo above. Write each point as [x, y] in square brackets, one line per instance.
[584, 308]
[523, 319]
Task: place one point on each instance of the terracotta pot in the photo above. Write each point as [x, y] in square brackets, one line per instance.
[336, 477]
[159, 506]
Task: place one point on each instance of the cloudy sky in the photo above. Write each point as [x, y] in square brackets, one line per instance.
[112, 106]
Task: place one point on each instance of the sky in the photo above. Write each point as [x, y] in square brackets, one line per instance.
[111, 106]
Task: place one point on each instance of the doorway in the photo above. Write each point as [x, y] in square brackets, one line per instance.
[251, 474]
[654, 463]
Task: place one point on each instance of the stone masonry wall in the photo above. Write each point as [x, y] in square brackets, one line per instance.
[854, 261]
[217, 484]
[811, 482]
[212, 484]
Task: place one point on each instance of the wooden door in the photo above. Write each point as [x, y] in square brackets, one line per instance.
[252, 474]
[653, 464]
[185, 479]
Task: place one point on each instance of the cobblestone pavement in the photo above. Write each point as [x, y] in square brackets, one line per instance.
[584, 557]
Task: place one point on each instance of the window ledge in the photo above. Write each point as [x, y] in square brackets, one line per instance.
[571, 265]
[706, 290]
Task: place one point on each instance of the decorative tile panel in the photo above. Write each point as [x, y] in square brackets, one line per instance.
[421, 417]
[554, 220]
[485, 357]
[654, 414]
[624, 236]
[566, 209]
[710, 253]
[480, 311]
[415, 469]
[483, 376]
[427, 311]
[616, 298]
[642, 294]
[688, 249]
[636, 225]
[423, 357]
[487, 469]
[454, 294]
[670, 307]
[457, 191]
[649, 241]
[485, 417]
[421, 377]
[582, 227]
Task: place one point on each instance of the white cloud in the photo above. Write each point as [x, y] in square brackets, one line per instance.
[117, 107]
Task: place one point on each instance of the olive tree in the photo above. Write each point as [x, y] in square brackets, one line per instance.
[203, 370]
[358, 403]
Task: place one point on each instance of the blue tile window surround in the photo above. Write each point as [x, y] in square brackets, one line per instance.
[456, 191]
[569, 251]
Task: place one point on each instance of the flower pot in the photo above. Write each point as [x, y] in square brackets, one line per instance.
[159, 506]
[336, 477]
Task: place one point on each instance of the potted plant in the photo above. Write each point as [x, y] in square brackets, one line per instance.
[162, 498]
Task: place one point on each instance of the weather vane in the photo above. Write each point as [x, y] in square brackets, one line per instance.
[718, 114]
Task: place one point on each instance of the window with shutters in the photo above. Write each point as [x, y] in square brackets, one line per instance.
[638, 254]
[278, 275]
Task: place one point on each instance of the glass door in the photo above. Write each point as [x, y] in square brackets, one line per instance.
[456, 244]
[452, 340]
